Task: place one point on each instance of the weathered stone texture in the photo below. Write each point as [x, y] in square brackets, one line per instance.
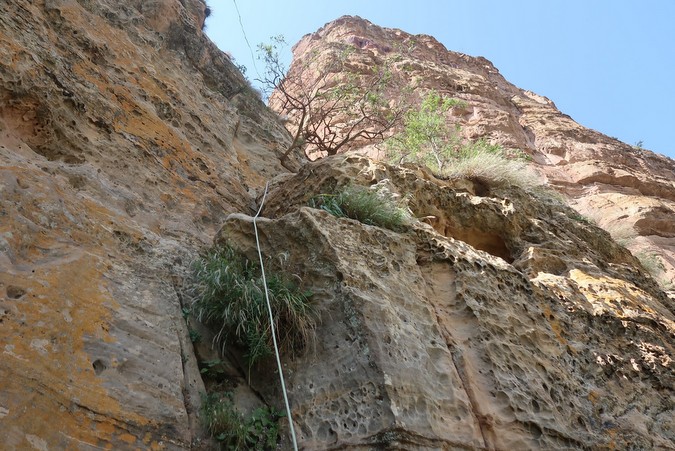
[581, 163]
[500, 321]
[429, 343]
[118, 161]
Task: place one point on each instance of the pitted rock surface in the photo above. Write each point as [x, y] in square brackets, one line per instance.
[427, 342]
[126, 137]
[583, 164]
[499, 320]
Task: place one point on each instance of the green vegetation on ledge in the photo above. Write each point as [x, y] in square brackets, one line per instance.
[259, 431]
[230, 296]
[373, 206]
[428, 140]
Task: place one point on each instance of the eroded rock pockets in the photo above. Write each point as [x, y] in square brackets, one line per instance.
[429, 341]
[118, 161]
[578, 161]
[511, 224]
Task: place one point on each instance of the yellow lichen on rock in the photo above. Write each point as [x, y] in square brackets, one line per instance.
[622, 299]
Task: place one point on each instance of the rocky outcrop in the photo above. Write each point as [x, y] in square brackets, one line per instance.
[603, 178]
[500, 320]
[126, 138]
[504, 324]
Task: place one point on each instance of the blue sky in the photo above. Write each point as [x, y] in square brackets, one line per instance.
[608, 64]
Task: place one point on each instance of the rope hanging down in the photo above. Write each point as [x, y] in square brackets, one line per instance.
[269, 311]
[236, 7]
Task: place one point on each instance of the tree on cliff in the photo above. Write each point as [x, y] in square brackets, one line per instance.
[426, 137]
[328, 106]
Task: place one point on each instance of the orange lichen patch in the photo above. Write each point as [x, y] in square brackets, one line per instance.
[593, 396]
[46, 372]
[80, 19]
[558, 286]
[158, 142]
[12, 53]
[43, 221]
[611, 445]
[91, 74]
[127, 438]
[157, 139]
[60, 245]
[163, 87]
[147, 438]
[615, 295]
[106, 428]
[243, 153]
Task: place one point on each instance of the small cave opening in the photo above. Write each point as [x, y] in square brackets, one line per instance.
[481, 229]
[489, 242]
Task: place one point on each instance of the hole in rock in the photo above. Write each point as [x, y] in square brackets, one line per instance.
[14, 292]
[99, 366]
[488, 242]
[535, 430]
[491, 242]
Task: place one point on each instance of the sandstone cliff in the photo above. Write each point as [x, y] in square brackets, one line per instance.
[504, 324]
[626, 190]
[127, 140]
[126, 137]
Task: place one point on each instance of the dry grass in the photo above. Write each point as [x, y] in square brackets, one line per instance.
[373, 206]
[493, 169]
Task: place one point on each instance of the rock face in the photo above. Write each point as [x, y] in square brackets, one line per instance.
[126, 137]
[629, 191]
[552, 339]
[497, 322]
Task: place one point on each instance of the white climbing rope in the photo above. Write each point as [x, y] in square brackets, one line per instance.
[269, 311]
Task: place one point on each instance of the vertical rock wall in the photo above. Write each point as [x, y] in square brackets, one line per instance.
[125, 139]
[428, 342]
[627, 190]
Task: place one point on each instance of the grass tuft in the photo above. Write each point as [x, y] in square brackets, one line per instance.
[651, 263]
[373, 206]
[230, 296]
[490, 165]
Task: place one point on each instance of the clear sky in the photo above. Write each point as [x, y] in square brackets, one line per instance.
[609, 64]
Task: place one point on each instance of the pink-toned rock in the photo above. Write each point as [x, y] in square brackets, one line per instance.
[499, 320]
[577, 161]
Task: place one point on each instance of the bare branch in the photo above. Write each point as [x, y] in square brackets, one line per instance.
[329, 107]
